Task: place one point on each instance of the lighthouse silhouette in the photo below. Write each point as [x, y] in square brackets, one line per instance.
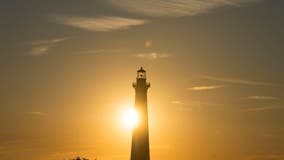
[140, 134]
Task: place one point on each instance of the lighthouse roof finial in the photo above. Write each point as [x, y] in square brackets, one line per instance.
[141, 70]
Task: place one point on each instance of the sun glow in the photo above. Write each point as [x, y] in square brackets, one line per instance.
[130, 118]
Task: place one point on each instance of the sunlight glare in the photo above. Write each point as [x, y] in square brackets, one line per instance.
[130, 118]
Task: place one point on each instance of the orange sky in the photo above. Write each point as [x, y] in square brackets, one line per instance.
[215, 68]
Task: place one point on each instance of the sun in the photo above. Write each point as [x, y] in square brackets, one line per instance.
[130, 118]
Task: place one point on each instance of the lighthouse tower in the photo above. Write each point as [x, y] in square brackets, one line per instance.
[140, 134]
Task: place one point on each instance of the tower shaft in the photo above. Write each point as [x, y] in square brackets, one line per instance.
[140, 134]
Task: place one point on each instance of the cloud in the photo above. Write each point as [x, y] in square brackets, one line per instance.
[39, 50]
[262, 98]
[37, 113]
[60, 155]
[153, 55]
[177, 102]
[268, 135]
[98, 51]
[265, 108]
[241, 81]
[99, 24]
[174, 8]
[41, 47]
[266, 157]
[203, 88]
[47, 42]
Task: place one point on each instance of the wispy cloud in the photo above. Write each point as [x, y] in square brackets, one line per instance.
[41, 47]
[177, 102]
[101, 51]
[241, 81]
[268, 135]
[153, 55]
[98, 51]
[39, 50]
[37, 113]
[262, 98]
[99, 24]
[47, 42]
[174, 8]
[266, 157]
[204, 88]
[60, 155]
[265, 108]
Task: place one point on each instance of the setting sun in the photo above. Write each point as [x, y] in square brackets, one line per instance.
[130, 118]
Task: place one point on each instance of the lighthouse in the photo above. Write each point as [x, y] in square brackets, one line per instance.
[140, 134]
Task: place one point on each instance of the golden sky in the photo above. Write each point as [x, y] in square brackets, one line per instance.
[215, 68]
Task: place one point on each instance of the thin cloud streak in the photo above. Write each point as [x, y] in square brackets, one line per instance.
[37, 113]
[47, 42]
[153, 56]
[41, 47]
[265, 108]
[177, 102]
[266, 157]
[98, 51]
[204, 88]
[241, 81]
[99, 24]
[174, 8]
[39, 50]
[262, 98]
